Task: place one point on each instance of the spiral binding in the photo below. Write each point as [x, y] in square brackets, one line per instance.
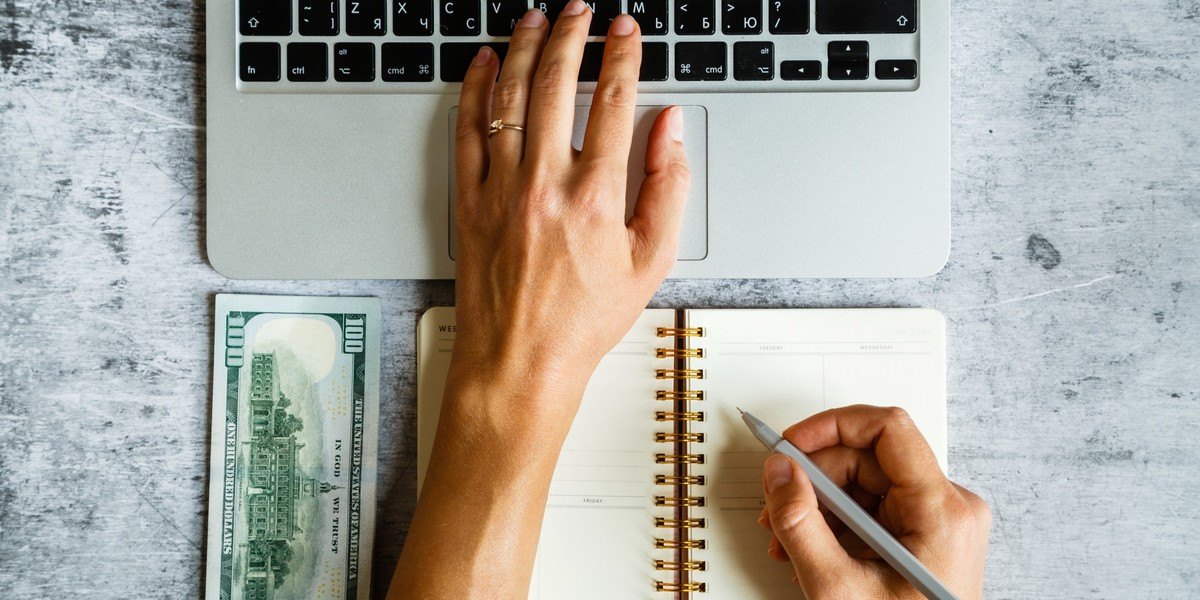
[681, 497]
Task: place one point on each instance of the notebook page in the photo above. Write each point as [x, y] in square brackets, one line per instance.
[783, 366]
[597, 538]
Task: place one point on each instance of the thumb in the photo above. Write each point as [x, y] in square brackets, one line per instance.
[819, 559]
[659, 210]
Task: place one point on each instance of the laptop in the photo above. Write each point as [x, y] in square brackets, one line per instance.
[817, 132]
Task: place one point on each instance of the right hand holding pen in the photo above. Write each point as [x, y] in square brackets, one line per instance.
[881, 459]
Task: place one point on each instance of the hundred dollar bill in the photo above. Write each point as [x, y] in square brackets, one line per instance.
[294, 446]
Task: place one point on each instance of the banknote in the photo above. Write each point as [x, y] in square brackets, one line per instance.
[294, 445]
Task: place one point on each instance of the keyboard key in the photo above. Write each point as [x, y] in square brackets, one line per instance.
[741, 17]
[593, 56]
[651, 15]
[655, 66]
[787, 17]
[700, 61]
[265, 17]
[551, 8]
[460, 17]
[354, 61]
[318, 17]
[503, 15]
[694, 17]
[896, 69]
[866, 16]
[754, 61]
[852, 51]
[366, 17]
[457, 56]
[412, 17]
[259, 61]
[408, 61]
[800, 70]
[308, 61]
[603, 13]
[843, 70]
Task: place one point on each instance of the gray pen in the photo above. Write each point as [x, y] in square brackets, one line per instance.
[839, 503]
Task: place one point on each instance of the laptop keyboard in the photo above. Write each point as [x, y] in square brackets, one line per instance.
[425, 46]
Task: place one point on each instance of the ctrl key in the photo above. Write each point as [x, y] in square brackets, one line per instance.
[258, 61]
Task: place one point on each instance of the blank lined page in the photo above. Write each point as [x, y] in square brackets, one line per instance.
[598, 532]
[783, 366]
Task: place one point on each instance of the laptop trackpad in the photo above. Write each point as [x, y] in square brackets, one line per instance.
[693, 243]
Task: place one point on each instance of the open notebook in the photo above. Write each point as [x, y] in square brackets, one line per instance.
[658, 488]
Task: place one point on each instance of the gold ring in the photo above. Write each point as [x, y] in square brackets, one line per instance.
[499, 124]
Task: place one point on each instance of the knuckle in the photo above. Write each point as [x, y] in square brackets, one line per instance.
[616, 92]
[508, 94]
[551, 77]
[895, 414]
[465, 129]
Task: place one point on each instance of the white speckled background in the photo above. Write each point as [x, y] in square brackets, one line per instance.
[1073, 299]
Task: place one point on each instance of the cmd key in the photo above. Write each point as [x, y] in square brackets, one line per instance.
[866, 16]
[700, 61]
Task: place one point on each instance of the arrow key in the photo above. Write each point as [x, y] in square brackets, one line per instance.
[896, 69]
[847, 51]
[843, 70]
[265, 17]
[800, 70]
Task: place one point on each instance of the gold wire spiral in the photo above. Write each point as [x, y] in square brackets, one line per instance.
[680, 332]
[667, 415]
[679, 479]
[674, 395]
[671, 586]
[679, 437]
[662, 544]
[678, 459]
[679, 500]
[679, 565]
[666, 523]
[679, 353]
[679, 373]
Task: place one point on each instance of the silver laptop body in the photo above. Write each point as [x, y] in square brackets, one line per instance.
[840, 176]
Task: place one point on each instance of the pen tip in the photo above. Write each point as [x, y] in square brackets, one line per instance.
[740, 411]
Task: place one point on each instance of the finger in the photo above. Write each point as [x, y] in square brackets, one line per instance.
[510, 99]
[903, 454]
[610, 122]
[470, 144]
[845, 466]
[552, 97]
[657, 216]
[795, 520]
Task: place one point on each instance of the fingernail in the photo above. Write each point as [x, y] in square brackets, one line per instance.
[675, 123]
[622, 25]
[483, 57]
[533, 18]
[574, 7]
[778, 471]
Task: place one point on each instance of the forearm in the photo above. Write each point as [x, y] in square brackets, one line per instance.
[477, 521]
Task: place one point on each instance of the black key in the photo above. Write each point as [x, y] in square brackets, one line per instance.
[410, 61]
[850, 69]
[265, 17]
[800, 70]
[412, 17]
[754, 61]
[318, 17]
[896, 69]
[866, 16]
[654, 62]
[551, 8]
[589, 67]
[258, 61]
[366, 17]
[700, 61]
[787, 16]
[852, 51]
[460, 17]
[457, 56]
[354, 62]
[308, 61]
[651, 15]
[503, 15]
[603, 13]
[694, 17]
[741, 17]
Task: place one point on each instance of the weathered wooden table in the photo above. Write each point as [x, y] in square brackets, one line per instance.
[1072, 294]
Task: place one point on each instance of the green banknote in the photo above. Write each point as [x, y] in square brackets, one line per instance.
[294, 445]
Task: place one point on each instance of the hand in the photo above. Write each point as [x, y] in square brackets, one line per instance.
[550, 275]
[881, 459]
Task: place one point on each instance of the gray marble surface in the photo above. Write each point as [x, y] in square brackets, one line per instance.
[1072, 294]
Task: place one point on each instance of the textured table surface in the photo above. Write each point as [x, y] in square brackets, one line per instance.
[1072, 295]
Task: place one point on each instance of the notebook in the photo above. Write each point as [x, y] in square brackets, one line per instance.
[658, 488]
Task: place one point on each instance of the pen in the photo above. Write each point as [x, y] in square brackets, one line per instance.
[853, 515]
